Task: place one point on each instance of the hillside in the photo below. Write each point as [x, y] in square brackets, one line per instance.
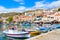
[9, 14]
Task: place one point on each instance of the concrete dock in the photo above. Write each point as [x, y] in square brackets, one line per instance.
[52, 35]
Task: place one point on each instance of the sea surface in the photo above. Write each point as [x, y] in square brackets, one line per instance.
[2, 37]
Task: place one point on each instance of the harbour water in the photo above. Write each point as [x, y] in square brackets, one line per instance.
[2, 37]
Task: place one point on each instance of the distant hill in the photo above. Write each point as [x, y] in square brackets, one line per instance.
[9, 14]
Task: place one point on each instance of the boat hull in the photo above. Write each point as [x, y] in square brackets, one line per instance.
[17, 34]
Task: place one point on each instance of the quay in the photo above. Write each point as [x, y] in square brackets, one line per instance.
[52, 35]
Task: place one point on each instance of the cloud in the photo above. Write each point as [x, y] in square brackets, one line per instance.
[20, 9]
[38, 5]
[20, 1]
[5, 10]
[2, 9]
[55, 4]
[43, 5]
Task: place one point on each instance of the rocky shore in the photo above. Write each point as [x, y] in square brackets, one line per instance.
[52, 35]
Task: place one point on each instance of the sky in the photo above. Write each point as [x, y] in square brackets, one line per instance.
[22, 5]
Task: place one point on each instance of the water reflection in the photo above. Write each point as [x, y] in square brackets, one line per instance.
[8, 38]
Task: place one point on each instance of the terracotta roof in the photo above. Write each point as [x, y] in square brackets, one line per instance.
[57, 15]
[27, 16]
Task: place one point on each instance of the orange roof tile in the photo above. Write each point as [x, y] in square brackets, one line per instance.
[27, 17]
[51, 13]
[57, 15]
[24, 16]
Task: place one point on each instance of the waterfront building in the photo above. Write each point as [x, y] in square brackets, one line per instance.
[57, 16]
[51, 17]
[29, 13]
[44, 19]
[40, 14]
[27, 18]
[4, 19]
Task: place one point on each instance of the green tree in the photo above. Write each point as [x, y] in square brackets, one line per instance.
[9, 19]
[59, 9]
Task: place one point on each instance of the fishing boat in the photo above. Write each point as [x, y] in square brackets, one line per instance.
[42, 29]
[16, 34]
[34, 33]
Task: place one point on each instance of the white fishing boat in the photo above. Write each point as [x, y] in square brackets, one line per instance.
[15, 33]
